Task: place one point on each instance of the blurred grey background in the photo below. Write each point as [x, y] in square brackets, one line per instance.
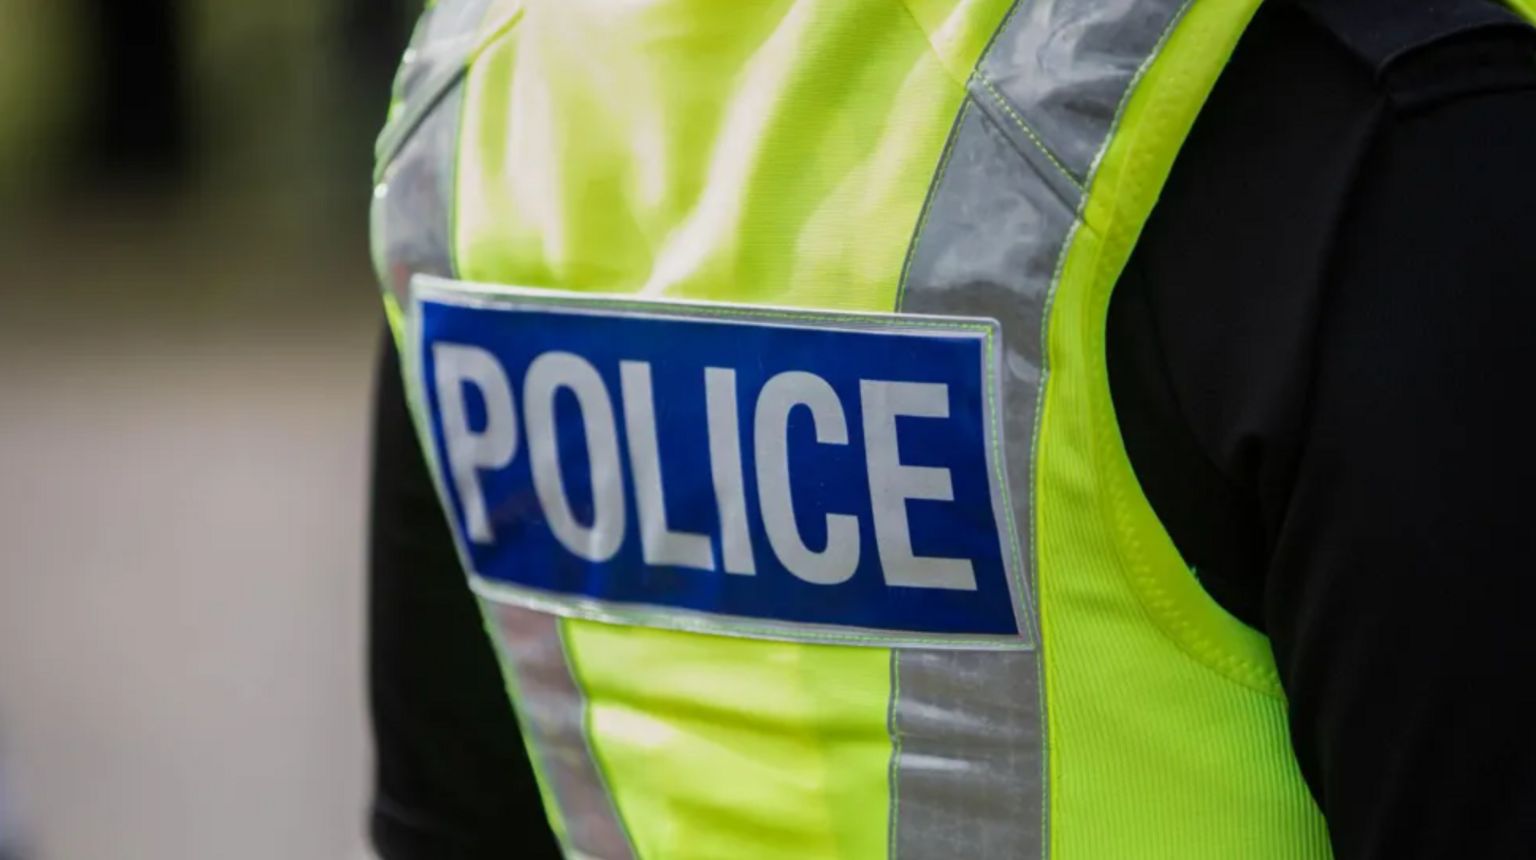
[186, 339]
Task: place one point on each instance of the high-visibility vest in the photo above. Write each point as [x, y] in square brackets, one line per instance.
[972, 174]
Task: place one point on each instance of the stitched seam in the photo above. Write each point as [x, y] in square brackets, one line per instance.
[746, 314]
[985, 49]
[893, 833]
[647, 615]
[1029, 132]
[928, 38]
[1125, 97]
[1184, 635]
[1151, 592]
[1180, 632]
[929, 199]
[1000, 475]
[1252, 675]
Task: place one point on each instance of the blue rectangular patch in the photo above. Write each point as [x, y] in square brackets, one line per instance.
[749, 471]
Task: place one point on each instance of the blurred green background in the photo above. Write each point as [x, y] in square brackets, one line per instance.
[186, 340]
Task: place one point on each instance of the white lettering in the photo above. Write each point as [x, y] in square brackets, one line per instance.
[780, 395]
[725, 467]
[547, 375]
[892, 484]
[661, 546]
[470, 452]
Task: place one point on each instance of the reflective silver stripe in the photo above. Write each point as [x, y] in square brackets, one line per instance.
[970, 777]
[412, 220]
[413, 195]
[969, 728]
[412, 203]
[440, 49]
[444, 36]
[969, 771]
[989, 248]
[553, 712]
[1061, 69]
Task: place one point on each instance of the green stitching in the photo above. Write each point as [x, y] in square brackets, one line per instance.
[933, 190]
[894, 771]
[1257, 676]
[1130, 88]
[1001, 476]
[1028, 132]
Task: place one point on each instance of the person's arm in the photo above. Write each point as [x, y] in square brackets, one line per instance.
[1401, 590]
[453, 781]
[1320, 357]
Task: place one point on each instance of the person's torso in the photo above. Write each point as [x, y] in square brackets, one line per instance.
[855, 258]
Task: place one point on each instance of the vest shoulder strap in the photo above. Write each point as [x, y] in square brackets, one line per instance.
[1380, 32]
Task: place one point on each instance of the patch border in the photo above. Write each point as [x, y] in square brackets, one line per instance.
[430, 288]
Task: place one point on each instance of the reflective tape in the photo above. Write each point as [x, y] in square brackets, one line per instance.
[969, 769]
[969, 773]
[1057, 73]
[441, 46]
[554, 714]
[413, 195]
[411, 214]
[411, 224]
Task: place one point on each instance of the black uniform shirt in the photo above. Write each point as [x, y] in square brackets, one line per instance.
[1319, 353]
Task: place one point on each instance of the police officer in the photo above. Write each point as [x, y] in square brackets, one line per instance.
[957, 428]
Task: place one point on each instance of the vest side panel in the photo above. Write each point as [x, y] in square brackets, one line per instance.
[411, 218]
[1042, 102]
[1153, 689]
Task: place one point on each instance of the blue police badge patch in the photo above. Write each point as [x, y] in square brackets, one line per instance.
[800, 475]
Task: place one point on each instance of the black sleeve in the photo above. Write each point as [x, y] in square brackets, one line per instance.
[1320, 357]
[1403, 576]
[453, 778]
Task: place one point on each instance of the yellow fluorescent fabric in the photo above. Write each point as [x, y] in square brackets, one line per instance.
[753, 151]
[1167, 729]
[739, 748]
[770, 151]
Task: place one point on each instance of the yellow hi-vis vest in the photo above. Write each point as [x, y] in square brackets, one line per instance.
[576, 195]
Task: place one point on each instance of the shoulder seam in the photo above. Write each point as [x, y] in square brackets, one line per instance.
[1381, 33]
